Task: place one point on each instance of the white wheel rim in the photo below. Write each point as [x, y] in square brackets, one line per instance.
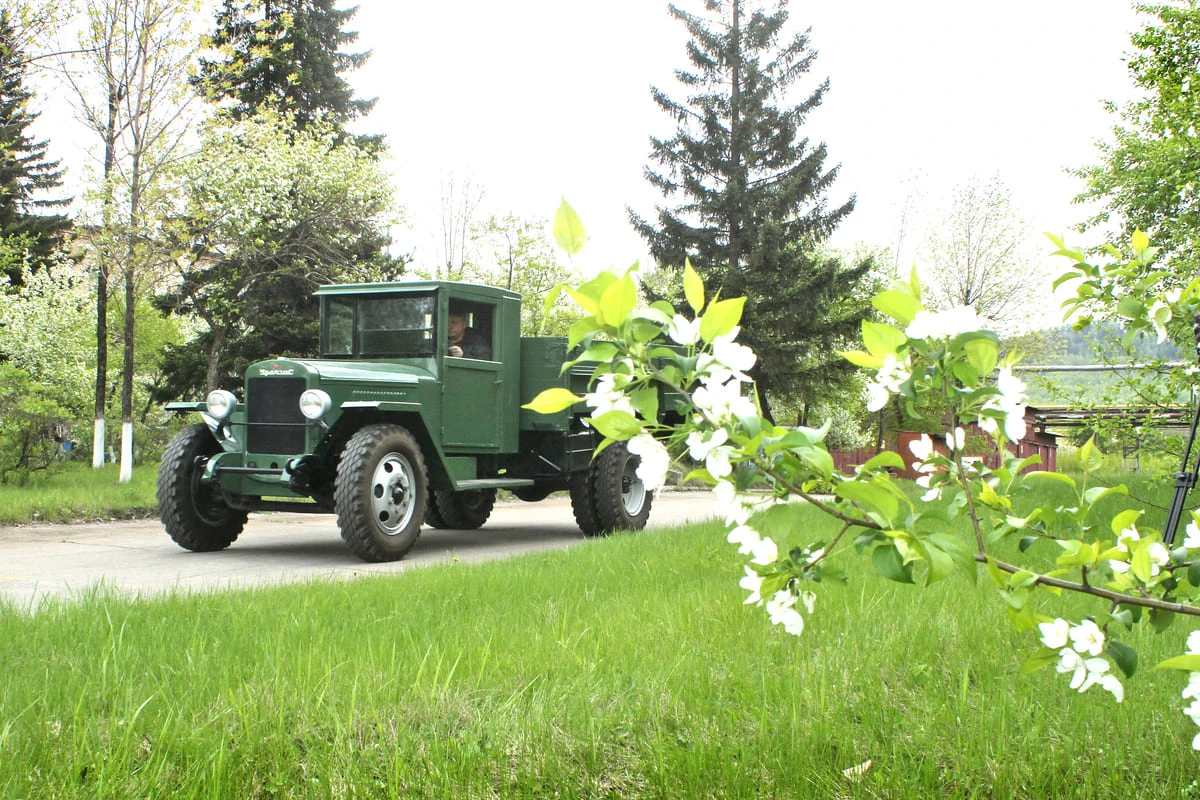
[392, 494]
[633, 489]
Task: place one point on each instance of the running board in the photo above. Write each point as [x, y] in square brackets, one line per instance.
[491, 483]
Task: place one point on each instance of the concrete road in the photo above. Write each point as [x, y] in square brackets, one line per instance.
[40, 561]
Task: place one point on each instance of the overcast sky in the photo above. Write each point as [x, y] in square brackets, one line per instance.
[537, 99]
[540, 98]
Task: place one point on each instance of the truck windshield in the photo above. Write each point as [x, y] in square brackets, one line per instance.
[390, 326]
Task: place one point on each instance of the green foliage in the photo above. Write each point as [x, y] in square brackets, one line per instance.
[29, 414]
[749, 194]
[26, 174]
[1145, 180]
[272, 212]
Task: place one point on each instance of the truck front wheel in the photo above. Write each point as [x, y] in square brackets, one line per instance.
[622, 500]
[192, 512]
[380, 492]
[464, 511]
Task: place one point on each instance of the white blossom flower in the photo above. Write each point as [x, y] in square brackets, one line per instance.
[1192, 538]
[609, 395]
[701, 443]
[956, 439]
[1086, 637]
[1192, 690]
[683, 330]
[654, 460]
[781, 611]
[1193, 711]
[1010, 400]
[1125, 540]
[1113, 684]
[921, 448]
[809, 600]
[887, 381]
[1055, 634]
[1193, 643]
[732, 507]
[765, 551]
[943, 324]
[752, 582]
[1196, 742]
[1069, 661]
[1160, 556]
[744, 537]
[718, 463]
[723, 402]
[737, 357]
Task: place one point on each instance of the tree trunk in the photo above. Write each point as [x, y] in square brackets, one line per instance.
[110, 158]
[127, 369]
[212, 378]
[737, 177]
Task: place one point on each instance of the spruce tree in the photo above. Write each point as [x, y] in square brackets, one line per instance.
[26, 175]
[285, 53]
[749, 193]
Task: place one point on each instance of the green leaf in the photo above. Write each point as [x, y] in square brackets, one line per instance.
[645, 400]
[1187, 663]
[900, 306]
[1124, 656]
[1051, 476]
[1131, 307]
[871, 496]
[1139, 241]
[721, 318]
[1140, 564]
[941, 566]
[1098, 493]
[981, 354]
[1125, 519]
[568, 229]
[889, 564]
[1161, 619]
[860, 359]
[1089, 457]
[693, 287]
[1026, 543]
[551, 401]
[599, 352]
[1042, 658]
[882, 340]
[582, 328]
[587, 303]
[1193, 573]
[885, 459]
[619, 425]
[618, 301]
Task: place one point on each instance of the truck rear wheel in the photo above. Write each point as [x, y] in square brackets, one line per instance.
[433, 516]
[194, 515]
[583, 502]
[622, 500]
[380, 492]
[464, 511]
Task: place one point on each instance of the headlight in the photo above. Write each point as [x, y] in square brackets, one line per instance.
[221, 403]
[314, 404]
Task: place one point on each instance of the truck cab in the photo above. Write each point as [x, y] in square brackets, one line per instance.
[393, 426]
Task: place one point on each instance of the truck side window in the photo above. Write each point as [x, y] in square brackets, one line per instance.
[469, 330]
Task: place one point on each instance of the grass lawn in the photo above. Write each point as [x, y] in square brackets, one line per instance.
[77, 492]
[624, 668]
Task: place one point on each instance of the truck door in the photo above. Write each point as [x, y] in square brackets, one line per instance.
[471, 385]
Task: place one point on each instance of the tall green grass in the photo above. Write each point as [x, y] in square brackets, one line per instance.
[623, 668]
[77, 492]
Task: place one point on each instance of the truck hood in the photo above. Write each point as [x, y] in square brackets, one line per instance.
[353, 371]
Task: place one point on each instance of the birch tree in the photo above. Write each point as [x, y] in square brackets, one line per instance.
[129, 83]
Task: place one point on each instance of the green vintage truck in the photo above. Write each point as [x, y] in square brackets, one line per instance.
[393, 426]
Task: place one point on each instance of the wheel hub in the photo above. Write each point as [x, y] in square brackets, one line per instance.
[391, 493]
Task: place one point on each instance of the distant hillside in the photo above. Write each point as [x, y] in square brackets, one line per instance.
[1096, 344]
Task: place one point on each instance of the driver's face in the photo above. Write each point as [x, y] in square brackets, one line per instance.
[457, 326]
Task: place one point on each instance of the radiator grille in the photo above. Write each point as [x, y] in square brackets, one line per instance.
[275, 424]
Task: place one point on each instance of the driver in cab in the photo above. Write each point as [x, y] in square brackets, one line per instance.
[466, 342]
